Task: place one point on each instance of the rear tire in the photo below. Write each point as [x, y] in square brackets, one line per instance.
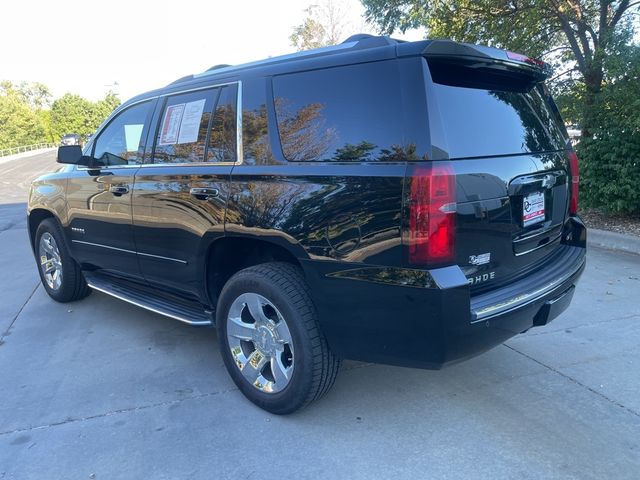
[60, 274]
[270, 338]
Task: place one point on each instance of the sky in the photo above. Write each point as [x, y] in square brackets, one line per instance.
[87, 47]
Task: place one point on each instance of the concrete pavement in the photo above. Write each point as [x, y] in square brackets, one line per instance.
[102, 389]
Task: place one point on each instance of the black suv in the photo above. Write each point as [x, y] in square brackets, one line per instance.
[404, 203]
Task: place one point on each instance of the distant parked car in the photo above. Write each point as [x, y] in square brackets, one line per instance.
[70, 139]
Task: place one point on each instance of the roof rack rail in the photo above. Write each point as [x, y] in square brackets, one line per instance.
[181, 79]
[369, 40]
[357, 41]
[356, 37]
[216, 67]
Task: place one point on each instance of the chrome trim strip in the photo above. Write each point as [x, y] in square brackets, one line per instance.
[555, 239]
[120, 108]
[148, 307]
[124, 106]
[177, 260]
[162, 165]
[523, 299]
[130, 251]
[103, 246]
[195, 89]
[239, 149]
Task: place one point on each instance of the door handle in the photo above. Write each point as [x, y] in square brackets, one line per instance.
[118, 190]
[204, 193]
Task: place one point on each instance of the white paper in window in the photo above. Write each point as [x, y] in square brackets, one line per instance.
[191, 122]
[132, 134]
[171, 124]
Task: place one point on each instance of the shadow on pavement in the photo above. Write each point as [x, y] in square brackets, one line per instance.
[13, 215]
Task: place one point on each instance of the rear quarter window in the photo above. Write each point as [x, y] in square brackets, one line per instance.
[342, 114]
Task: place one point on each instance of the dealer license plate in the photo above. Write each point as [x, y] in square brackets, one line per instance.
[533, 209]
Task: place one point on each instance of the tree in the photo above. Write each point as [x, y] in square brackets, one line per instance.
[579, 31]
[74, 114]
[71, 114]
[25, 116]
[323, 26]
[36, 94]
[610, 169]
[104, 107]
[20, 123]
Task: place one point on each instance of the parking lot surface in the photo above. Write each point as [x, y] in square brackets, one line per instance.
[102, 389]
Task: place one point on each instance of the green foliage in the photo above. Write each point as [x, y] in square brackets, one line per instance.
[569, 96]
[74, 114]
[36, 95]
[589, 42]
[26, 119]
[518, 25]
[71, 114]
[610, 160]
[576, 35]
[310, 34]
[20, 123]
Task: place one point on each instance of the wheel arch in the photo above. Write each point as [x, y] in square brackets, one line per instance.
[35, 217]
[229, 254]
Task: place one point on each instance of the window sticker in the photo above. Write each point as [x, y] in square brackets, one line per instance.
[171, 124]
[191, 122]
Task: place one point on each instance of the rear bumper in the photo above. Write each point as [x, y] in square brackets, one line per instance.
[427, 319]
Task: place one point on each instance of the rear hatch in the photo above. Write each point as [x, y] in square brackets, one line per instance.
[492, 118]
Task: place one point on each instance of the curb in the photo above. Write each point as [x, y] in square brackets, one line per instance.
[613, 241]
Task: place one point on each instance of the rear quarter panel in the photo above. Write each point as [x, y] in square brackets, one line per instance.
[334, 212]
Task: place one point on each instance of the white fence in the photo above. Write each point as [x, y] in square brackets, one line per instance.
[26, 148]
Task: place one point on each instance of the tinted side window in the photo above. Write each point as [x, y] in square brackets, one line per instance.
[184, 123]
[344, 114]
[222, 139]
[119, 142]
[255, 131]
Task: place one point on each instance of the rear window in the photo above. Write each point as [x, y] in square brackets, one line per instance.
[341, 114]
[485, 115]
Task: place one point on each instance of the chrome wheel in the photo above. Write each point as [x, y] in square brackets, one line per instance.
[50, 261]
[260, 342]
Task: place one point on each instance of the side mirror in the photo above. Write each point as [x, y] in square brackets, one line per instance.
[72, 154]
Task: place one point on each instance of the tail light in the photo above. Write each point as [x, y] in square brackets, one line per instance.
[432, 213]
[575, 181]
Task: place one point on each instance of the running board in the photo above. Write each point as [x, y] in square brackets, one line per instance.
[186, 311]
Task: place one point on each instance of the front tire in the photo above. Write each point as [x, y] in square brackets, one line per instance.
[270, 338]
[60, 274]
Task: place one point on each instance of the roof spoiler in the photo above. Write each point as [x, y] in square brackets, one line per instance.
[486, 56]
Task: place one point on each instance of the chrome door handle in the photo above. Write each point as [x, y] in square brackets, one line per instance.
[204, 193]
[118, 190]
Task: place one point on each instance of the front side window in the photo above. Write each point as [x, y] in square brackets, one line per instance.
[342, 114]
[121, 141]
[188, 131]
